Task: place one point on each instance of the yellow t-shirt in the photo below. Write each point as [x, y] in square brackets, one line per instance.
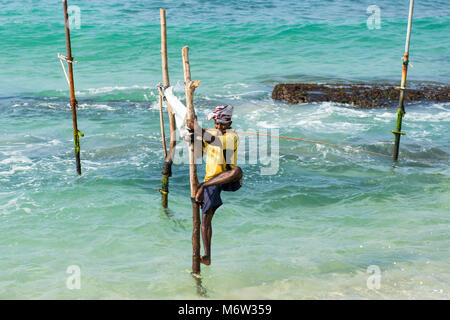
[215, 160]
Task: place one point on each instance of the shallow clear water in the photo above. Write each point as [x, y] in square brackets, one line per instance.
[310, 230]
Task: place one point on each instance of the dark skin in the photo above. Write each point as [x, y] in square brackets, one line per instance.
[232, 175]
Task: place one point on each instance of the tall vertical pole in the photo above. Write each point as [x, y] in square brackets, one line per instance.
[401, 108]
[73, 100]
[161, 124]
[193, 179]
[168, 157]
[164, 60]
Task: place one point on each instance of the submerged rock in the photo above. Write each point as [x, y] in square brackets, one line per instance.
[359, 95]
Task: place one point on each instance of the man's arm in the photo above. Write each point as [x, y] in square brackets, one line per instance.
[194, 128]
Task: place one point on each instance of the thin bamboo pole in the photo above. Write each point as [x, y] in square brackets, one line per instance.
[73, 100]
[401, 108]
[165, 70]
[168, 157]
[164, 60]
[193, 179]
[161, 123]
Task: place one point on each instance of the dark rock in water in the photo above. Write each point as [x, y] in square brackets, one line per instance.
[359, 95]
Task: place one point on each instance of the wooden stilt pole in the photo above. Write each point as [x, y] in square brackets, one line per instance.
[161, 123]
[193, 179]
[73, 101]
[164, 60]
[401, 108]
[168, 157]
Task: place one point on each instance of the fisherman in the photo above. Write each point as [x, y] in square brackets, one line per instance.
[222, 173]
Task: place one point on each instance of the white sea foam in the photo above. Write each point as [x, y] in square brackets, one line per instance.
[441, 106]
[7, 173]
[54, 142]
[25, 104]
[20, 159]
[385, 117]
[310, 123]
[48, 105]
[235, 96]
[267, 125]
[94, 91]
[96, 106]
[155, 105]
[326, 109]
[237, 84]
[15, 169]
[428, 117]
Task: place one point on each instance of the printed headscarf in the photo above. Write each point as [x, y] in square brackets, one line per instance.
[221, 114]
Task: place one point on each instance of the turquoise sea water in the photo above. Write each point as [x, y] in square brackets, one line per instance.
[309, 230]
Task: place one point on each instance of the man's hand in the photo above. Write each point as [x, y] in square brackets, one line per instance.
[190, 123]
[199, 194]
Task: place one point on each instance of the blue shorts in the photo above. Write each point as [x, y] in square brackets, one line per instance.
[211, 194]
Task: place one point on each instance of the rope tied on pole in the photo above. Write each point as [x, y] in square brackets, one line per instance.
[313, 141]
[61, 58]
[68, 60]
[77, 134]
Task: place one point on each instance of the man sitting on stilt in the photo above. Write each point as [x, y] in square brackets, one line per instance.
[222, 173]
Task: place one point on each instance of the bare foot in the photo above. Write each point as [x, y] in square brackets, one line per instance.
[205, 260]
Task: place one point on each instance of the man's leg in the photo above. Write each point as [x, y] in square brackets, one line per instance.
[206, 235]
[228, 176]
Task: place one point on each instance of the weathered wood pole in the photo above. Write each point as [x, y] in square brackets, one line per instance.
[168, 157]
[401, 108]
[73, 100]
[161, 123]
[164, 60]
[193, 179]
